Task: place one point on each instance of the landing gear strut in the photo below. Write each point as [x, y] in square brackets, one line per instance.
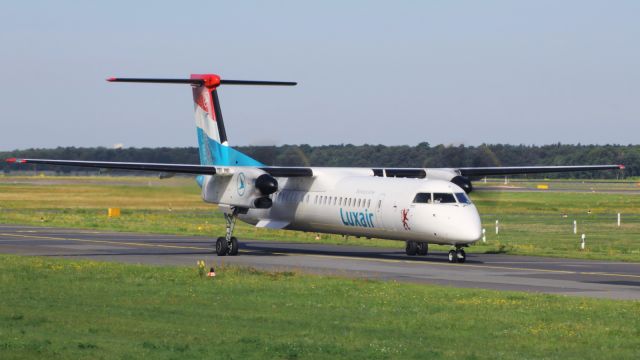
[458, 255]
[416, 248]
[228, 245]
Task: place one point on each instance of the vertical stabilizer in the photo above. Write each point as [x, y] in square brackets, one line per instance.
[212, 136]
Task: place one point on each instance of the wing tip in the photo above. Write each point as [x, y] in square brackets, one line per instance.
[111, 79]
[621, 167]
[15, 161]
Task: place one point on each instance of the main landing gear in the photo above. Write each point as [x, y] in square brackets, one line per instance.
[228, 245]
[458, 255]
[416, 248]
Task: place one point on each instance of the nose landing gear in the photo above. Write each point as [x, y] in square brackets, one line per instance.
[457, 256]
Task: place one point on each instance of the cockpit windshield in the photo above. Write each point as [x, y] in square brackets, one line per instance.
[462, 198]
[422, 198]
[443, 198]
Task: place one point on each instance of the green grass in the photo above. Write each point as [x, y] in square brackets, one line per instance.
[60, 309]
[532, 223]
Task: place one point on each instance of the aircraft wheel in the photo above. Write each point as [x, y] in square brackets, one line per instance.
[453, 257]
[411, 248]
[222, 248]
[233, 250]
[423, 248]
[461, 255]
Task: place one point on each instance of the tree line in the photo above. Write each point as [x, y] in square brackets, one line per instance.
[422, 155]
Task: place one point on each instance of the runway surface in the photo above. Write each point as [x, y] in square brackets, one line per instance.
[600, 279]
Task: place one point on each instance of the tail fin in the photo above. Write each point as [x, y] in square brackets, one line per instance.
[212, 137]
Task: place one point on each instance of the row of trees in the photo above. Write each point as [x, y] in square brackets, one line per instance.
[421, 155]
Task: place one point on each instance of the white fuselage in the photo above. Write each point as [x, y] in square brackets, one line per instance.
[353, 202]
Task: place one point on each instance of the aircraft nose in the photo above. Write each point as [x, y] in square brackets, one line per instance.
[470, 227]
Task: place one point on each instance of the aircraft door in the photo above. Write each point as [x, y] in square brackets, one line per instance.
[378, 209]
[391, 213]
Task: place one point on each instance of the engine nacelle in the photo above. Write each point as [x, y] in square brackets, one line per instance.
[248, 188]
[267, 184]
[463, 182]
[451, 175]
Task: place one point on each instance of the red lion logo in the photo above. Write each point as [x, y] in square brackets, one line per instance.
[405, 219]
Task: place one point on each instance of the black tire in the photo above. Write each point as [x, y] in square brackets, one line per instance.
[423, 248]
[233, 250]
[221, 246]
[411, 248]
[461, 256]
[453, 257]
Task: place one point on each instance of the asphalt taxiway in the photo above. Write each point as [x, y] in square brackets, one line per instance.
[602, 279]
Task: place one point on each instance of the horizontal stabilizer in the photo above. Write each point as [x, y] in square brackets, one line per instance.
[206, 80]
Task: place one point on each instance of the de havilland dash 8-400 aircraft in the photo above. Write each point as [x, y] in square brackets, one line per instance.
[420, 206]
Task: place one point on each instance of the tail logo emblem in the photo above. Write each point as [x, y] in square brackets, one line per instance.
[241, 184]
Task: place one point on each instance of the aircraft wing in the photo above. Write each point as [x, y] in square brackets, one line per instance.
[284, 171]
[514, 170]
[277, 171]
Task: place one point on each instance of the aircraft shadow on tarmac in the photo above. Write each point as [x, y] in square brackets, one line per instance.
[262, 249]
[382, 254]
[617, 282]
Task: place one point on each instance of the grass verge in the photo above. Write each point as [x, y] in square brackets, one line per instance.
[53, 308]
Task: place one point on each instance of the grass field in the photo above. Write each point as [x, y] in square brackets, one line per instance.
[61, 309]
[531, 223]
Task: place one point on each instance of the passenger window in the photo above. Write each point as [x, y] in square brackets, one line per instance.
[422, 198]
[340, 201]
[358, 203]
[369, 203]
[335, 200]
[443, 198]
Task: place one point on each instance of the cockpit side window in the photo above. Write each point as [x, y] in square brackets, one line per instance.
[443, 198]
[422, 198]
[462, 198]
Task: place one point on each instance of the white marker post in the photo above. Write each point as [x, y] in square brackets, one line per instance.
[618, 219]
[484, 235]
[497, 227]
[582, 243]
[575, 227]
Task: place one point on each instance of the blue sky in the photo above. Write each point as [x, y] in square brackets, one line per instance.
[380, 72]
